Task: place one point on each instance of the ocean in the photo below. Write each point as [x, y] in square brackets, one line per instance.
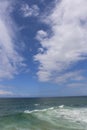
[64, 113]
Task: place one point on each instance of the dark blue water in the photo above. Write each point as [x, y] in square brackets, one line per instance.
[68, 113]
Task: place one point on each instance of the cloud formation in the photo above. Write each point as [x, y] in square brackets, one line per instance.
[10, 60]
[68, 43]
[29, 11]
[3, 92]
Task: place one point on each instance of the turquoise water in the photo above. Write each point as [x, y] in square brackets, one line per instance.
[43, 114]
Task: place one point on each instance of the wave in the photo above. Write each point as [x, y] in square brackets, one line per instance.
[69, 113]
[43, 110]
[37, 110]
[36, 104]
[61, 106]
[61, 117]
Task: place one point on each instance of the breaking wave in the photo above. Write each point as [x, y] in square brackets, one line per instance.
[45, 114]
[61, 112]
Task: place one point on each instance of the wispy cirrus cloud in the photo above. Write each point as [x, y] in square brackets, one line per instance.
[78, 85]
[29, 11]
[3, 92]
[68, 43]
[10, 59]
[75, 76]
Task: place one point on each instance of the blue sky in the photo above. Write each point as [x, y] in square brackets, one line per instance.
[43, 48]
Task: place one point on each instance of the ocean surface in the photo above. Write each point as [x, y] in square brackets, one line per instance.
[68, 113]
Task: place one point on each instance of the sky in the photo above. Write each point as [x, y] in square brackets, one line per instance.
[43, 48]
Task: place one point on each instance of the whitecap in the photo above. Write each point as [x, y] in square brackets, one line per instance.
[61, 106]
[36, 104]
[27, 111]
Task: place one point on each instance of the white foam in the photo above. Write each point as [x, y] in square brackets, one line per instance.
[33, 111]
[74, 114]
[27, 111]
[71, 114]
[51, 108]
[36, 104]
[61, 106]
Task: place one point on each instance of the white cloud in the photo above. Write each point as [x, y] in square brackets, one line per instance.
[82, 85]
[29, 11]
[41, 35]
[3, 92]
[75, 76]
[68, 44]
[10, 60]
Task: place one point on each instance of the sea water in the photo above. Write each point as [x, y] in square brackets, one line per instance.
[69, 113]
